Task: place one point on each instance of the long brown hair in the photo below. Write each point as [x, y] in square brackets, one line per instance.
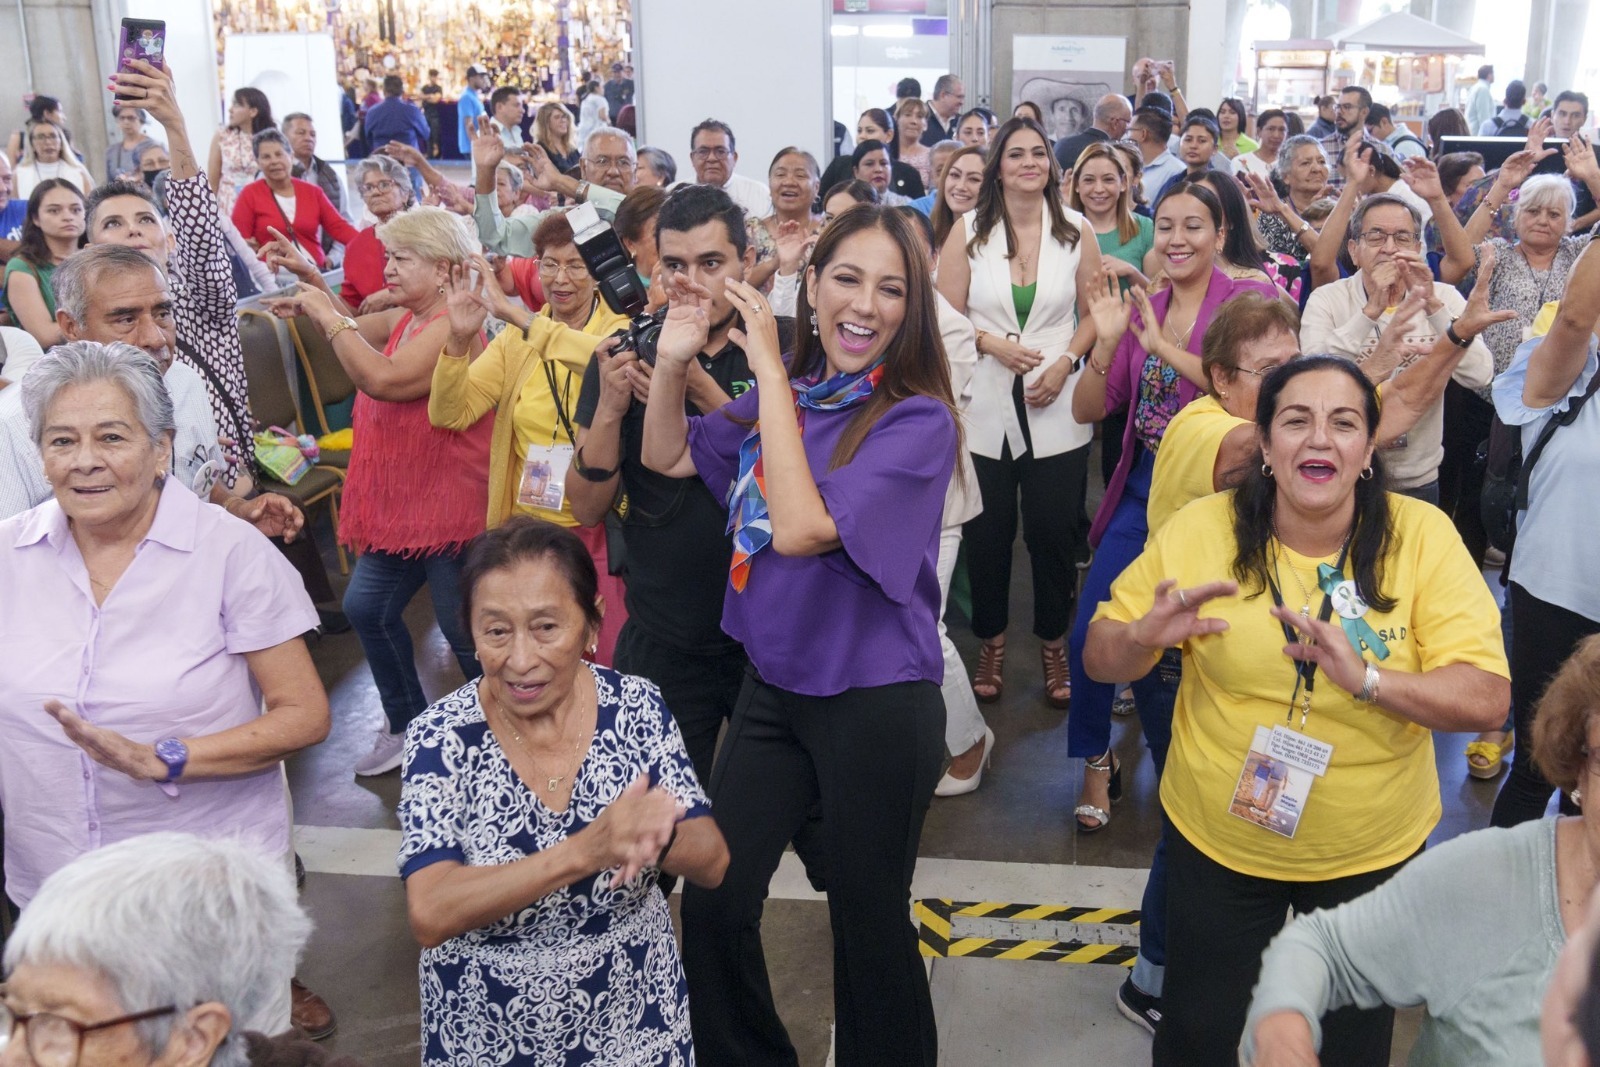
[1127, 225]
[944, 219]
[992, 197]
[34, 248]
[914, 363]
[541, 129]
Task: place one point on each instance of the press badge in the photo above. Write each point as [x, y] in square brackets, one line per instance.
[544, 477]
[1275, 783]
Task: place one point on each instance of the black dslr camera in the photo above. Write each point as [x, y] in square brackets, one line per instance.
[618, 279]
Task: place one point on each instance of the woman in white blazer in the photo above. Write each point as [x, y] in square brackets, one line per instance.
[1019, 267]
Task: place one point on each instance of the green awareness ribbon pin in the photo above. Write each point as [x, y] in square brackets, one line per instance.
[1361, 634]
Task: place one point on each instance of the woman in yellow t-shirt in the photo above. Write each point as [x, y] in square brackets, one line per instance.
[532, 374]
[1281, 792]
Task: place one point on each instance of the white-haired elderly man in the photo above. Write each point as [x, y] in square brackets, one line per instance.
[609, 164]
[88, 987]
[1347, 316]
[158, 678]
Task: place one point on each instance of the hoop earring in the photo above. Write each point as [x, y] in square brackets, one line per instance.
[1266, 470]
[1366, 475]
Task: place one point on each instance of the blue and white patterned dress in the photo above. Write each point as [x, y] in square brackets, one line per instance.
[586, 975]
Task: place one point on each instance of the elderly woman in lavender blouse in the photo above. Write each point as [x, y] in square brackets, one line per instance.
[132, 689]
[834, 592]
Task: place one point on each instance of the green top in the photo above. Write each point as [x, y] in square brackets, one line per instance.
[18, 265]
[1133, 251]
[1022, 296]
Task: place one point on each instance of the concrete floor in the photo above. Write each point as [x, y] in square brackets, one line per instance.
[1010, 841]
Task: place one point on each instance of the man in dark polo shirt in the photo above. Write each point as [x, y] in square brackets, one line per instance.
[678, 549]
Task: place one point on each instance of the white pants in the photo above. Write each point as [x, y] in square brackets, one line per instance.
[963, 723]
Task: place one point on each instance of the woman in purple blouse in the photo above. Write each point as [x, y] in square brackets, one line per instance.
[836, 481]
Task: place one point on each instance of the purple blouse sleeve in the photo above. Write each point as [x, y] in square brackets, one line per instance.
[264, 601]
[887, 501]
[1120, 378]
[714, 442]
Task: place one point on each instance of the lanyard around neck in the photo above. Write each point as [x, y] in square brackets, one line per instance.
[1305, 670]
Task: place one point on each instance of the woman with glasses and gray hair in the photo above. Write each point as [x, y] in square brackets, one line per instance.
[83, 988]
[1301, 173]
[128, 728]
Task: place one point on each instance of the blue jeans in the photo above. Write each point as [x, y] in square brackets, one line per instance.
[381, 586]
[1089, 719]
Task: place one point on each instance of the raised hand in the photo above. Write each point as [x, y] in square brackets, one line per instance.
[1261, 193]
[465, 305]
[1538, 132]
[488, 150]
[792, 239]
[1357, 166]
[489, 281]
[1324, 644]
[1147, 328]
[1477, 315]
[1580, 159]
[1175, 616]
[540, 171]
[1423, 177]
[759, 335]
[150, 87]
[403, 152]
[1518, 167]
[1110, 308]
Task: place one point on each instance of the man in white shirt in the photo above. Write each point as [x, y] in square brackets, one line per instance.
[1346, 318]
[713, 153]
[506, 110]
[1381, 124]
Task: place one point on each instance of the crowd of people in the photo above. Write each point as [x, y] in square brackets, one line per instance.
[689, 467]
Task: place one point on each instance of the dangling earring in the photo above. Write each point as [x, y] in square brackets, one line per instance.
[1366, 475]
[814, 331]
[1266, 470]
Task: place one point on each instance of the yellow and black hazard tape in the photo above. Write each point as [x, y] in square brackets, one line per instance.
[934, 922]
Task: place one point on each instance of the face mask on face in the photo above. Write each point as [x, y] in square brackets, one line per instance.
[150, 177]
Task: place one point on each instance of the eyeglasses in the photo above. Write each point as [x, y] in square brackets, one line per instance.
[383, 186]
[576, 272]
[620, 163]
[56, 1041]
[710, 153]
[1376, 239]
[1261, 371]
[1348, 108]
[37, 137]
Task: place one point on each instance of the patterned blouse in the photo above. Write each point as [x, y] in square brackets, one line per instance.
[1158, 402]
[1515, 285]
[238, 166]
[587, 974]
[204, 305]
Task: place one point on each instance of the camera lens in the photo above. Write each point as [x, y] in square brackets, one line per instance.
[646, 335]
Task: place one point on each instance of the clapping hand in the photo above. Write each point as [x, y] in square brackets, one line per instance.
[1175, 616]
[1110, 308]
[466, 306]
[499, 303]
[107, 747]
[1261, 193]
[759, 333]
[687, 325]
[633, 829]
[306, 300]
[1324, 644]
[540, 171]
[794, 240]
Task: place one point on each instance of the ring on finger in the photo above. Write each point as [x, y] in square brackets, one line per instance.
[1183, 599]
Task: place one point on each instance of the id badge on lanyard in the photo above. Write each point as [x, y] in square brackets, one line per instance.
[544, 471]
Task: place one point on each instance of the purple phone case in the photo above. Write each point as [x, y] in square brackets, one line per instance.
[144, 39]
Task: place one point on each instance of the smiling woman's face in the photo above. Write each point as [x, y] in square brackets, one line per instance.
[1320, 442]
[860, 300]
[98, 457]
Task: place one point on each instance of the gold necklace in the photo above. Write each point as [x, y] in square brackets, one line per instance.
[1283, 550]
[552, 782]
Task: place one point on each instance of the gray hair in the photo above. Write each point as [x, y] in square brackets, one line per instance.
[81, 362]
[172, 918]
[1290, 149]
[661, 162]
[1547, 190]
[611, 131]
[389, 168]
[1358, 220]
[78, 274]
[514, 173]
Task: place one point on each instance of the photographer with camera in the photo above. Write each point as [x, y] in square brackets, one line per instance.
[675, 528]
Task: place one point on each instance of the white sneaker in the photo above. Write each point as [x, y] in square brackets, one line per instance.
[385, 756]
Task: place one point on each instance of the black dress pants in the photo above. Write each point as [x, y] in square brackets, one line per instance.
[1219, 922]
[700, 691]
[1542, 637]
[1052, 491]
[872, 758]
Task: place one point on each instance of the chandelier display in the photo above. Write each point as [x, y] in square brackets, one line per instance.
[542, 46]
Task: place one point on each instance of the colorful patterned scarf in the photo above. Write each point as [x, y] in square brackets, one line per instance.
[748, 520]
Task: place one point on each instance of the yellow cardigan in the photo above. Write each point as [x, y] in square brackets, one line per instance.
[465, 390]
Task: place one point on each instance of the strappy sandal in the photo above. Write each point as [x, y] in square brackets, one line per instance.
[1106, 763]
[1057, 679]
[991, 661]
[1491, 754]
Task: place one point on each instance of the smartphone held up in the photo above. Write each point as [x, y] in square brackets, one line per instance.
[144, 39]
